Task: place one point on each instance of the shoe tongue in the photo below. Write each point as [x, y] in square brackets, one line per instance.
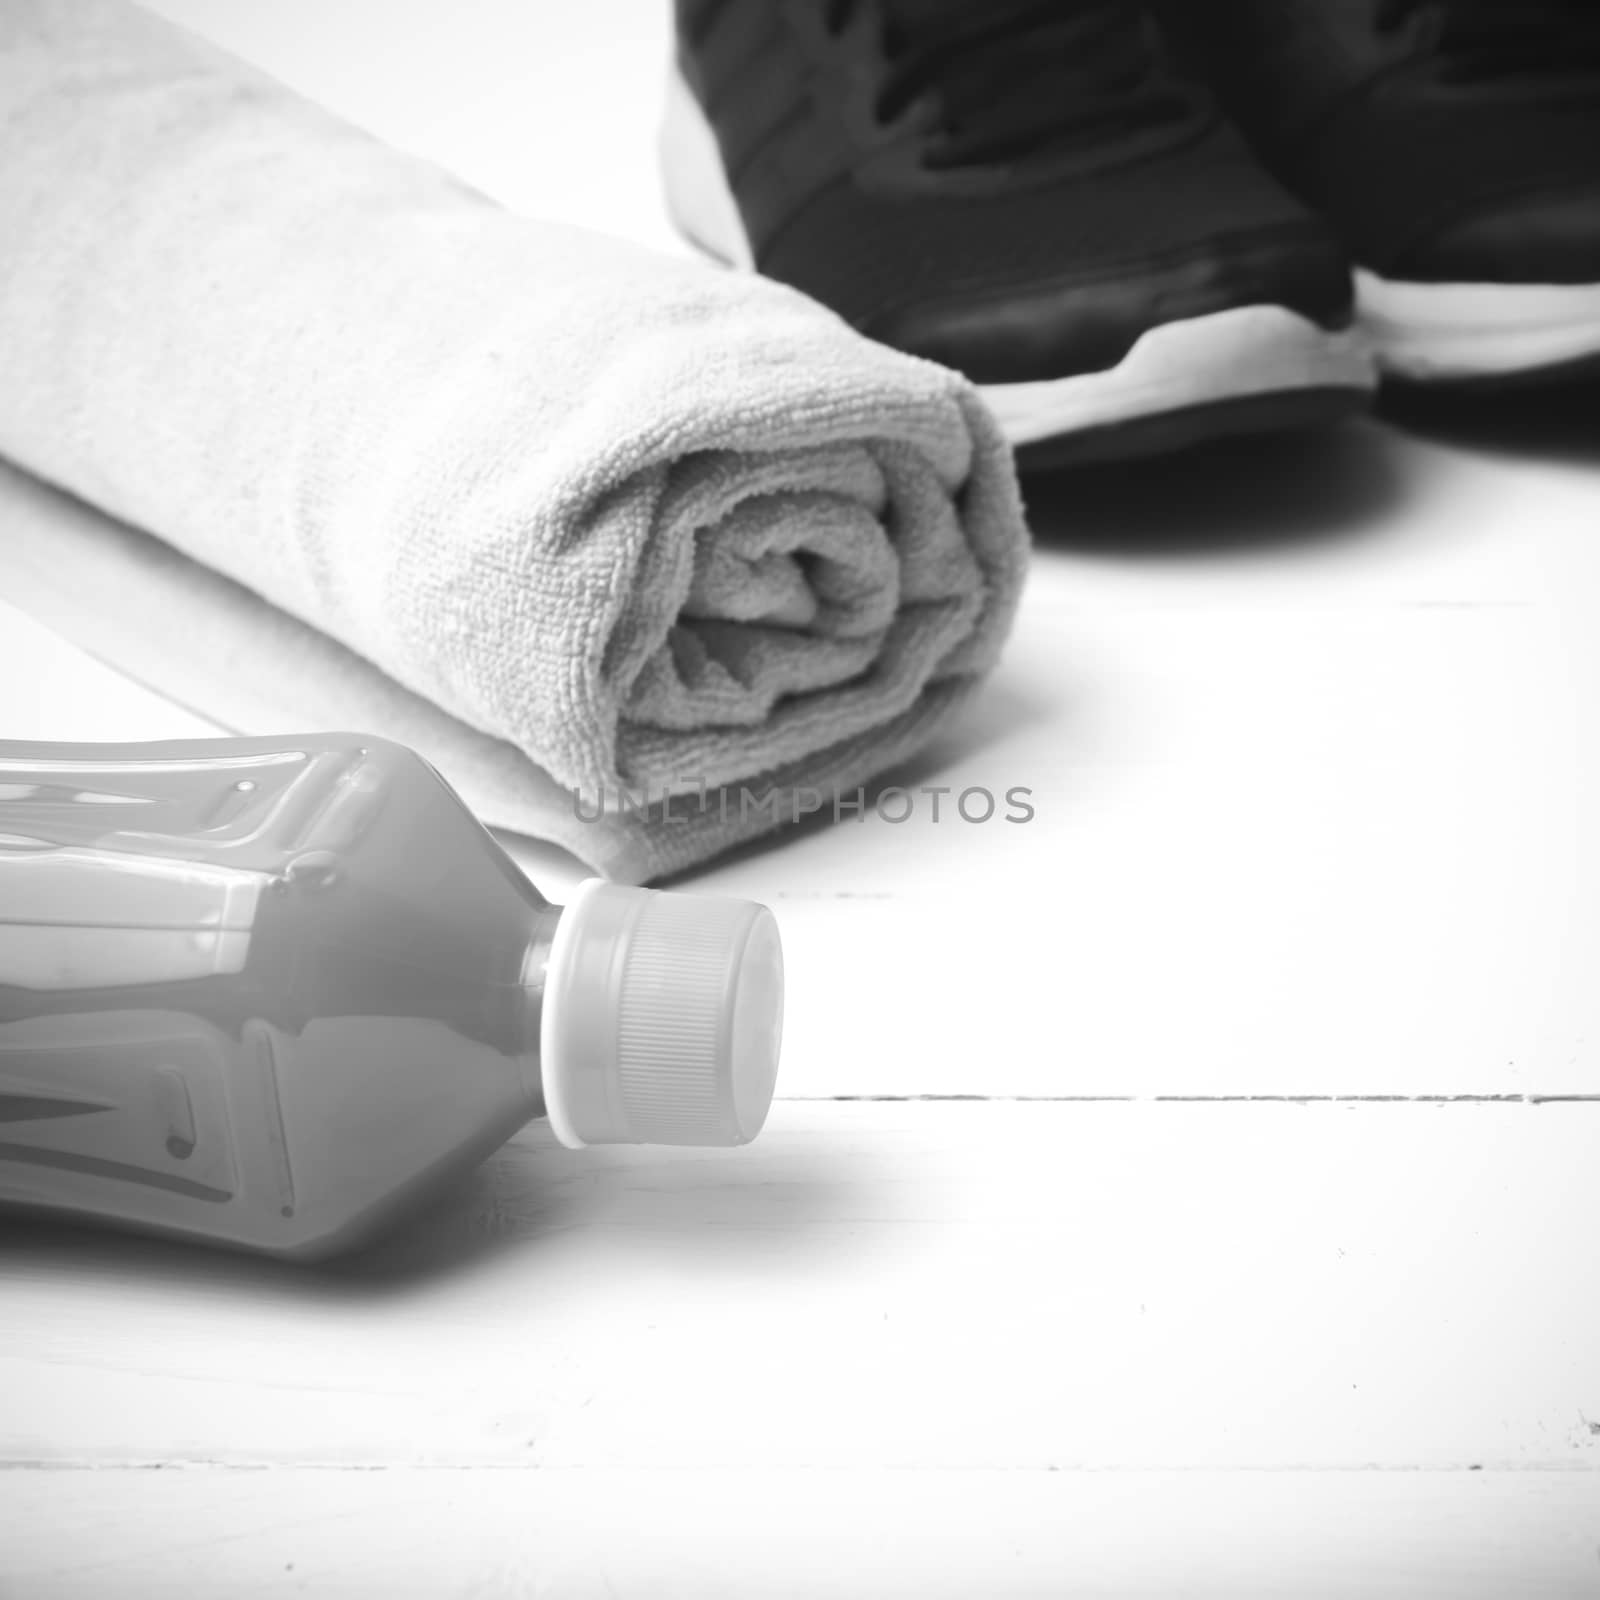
[1017, 76]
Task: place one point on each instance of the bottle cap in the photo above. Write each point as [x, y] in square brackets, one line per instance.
[661, 1018]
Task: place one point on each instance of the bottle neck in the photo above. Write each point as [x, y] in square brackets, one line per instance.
[535, 972]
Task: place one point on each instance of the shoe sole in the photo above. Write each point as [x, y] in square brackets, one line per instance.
[1172, 432]
[1256, 368]
[1487, 335]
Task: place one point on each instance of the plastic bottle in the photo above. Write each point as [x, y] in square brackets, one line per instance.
[266, 992]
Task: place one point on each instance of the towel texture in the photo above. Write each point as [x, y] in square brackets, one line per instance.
[602, 520]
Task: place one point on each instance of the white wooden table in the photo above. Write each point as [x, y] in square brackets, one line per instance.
[1190, 1192]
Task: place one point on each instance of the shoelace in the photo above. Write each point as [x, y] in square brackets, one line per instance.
[998, 82]
[1531, 43]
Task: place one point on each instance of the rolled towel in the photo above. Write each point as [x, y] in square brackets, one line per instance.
[630, 523]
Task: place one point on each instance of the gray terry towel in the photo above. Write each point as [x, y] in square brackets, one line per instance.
[576, 518]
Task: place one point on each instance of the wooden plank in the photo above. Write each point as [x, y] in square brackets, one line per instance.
[962, 1287]
[555, 1534]
[1240, 878]
[1304, 825]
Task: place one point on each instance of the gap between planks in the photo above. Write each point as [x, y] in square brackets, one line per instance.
[1202, 1099]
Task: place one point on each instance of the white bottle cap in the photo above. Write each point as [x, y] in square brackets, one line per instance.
[661, 1018]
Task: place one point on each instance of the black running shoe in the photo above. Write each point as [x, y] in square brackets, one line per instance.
[1455, 147]
[1029, 193]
